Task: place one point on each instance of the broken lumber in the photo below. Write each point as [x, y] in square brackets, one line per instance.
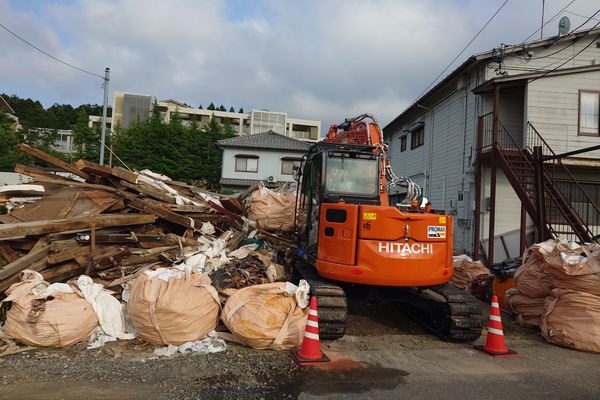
[70, 254]
[150, 191]
[23, 262]
[141, 205]
[22, 229]
[58, 163]
[92, 168]
[125, 175]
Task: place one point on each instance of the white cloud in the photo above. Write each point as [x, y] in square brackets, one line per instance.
[314, 59]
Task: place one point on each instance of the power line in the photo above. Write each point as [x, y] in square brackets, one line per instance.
[50, 55]
[569, 59]
[547, 22]
[582, 16]
[574, 40]
[463, 50]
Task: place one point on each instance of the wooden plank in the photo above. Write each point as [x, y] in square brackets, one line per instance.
[68, 207]
[7, 253]
[125, 175]
[23, 262]
[38, 172]
[150, 191]
[22, 229]
[58, 163]
[138, 204]
[188, 208]
[49, 178]
[92, 168]
[63, 272]
[68, 255]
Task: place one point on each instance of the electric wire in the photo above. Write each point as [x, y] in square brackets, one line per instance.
[547, 22]
[574, 41]
[463, 50]
[569, 59]
[48, 54]
[582, 16]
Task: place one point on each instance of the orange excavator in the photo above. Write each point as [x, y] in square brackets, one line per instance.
[348, 232]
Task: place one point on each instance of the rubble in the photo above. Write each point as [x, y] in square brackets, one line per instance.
[116, 229]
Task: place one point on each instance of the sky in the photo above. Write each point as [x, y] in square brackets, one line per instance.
[325, 60]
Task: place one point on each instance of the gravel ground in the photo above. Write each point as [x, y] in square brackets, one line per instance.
[126, 370]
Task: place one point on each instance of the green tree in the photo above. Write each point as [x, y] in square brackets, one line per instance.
[211, 106]
[86, 139]
[222, 108]
[200, 107]
[231, 109]
[241, 110]
[9, 156]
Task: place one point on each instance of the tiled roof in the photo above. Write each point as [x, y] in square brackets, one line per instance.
[265, 140]
[246, 182]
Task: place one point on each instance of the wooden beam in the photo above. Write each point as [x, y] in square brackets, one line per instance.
[92, 168]
[7, 253]
[150, 191]
[70, 254]
[22, 229]
[125, 175]
[23, 262]
[58, 180]
[139, 204]
[58, 163]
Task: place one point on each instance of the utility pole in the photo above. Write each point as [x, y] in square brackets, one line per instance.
[104, 106]
[542, 28]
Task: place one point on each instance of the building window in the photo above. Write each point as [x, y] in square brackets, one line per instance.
[403, 141]
[589, 113]
[288, 164]
[246, 163]
[417, 138]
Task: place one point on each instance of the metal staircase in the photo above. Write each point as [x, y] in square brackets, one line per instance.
[567, 208]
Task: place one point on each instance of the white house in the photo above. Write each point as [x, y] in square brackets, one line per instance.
[470, 142]
[268, 157]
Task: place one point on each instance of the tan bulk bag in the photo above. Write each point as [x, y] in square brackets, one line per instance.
[168, 306]
[572, 319]
[265, 317]
[575, 267]
[272, 210]
[50, 317]
[528, 310]
[531, 277]
[466, 271]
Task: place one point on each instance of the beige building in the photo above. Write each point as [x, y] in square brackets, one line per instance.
[129, 107]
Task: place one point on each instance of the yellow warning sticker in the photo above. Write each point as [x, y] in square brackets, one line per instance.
[443, 219]
[370, 216]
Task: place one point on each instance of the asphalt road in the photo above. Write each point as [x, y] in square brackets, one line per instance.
[384, 356]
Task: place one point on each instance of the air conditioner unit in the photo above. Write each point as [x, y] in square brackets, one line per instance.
[271, 179]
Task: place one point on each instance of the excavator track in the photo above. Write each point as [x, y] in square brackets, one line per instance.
[448, 312]
[331, 301]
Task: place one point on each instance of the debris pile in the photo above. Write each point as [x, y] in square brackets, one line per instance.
[163, 247]
[558, 289]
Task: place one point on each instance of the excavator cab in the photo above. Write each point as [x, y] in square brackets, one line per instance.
[334, 174]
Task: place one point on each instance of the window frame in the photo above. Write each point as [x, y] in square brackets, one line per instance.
[417, 137]
[403, 142]
[579, 132]
[292, 159]
[246, 157]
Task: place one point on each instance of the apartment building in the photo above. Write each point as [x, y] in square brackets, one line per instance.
[129, 107]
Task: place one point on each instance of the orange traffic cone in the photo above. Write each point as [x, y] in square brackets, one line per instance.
[494, 344]
[310, 351]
